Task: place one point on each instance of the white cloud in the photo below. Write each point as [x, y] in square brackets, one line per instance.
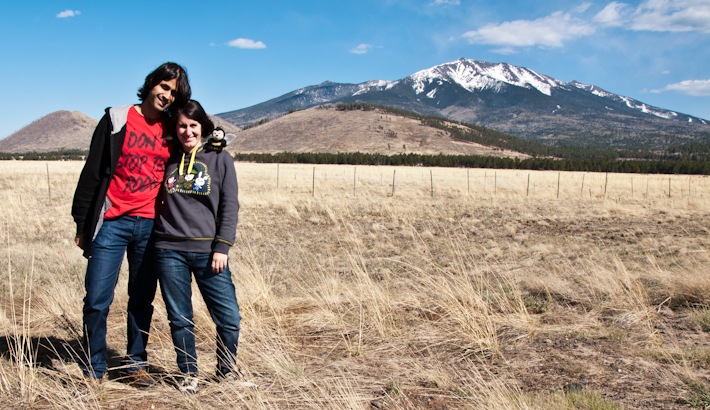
[361, 49]
[582, 7]
[698, 88]
[672, 15]
[68, 13]
[613, 15]
[450, 2]
[504, 50]
[246, 43]
[665, 72]
[548, 31]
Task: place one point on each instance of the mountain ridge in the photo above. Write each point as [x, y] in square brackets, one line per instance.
[507, 98]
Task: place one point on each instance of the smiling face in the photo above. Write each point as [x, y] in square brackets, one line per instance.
[189, 132]
[159, 98]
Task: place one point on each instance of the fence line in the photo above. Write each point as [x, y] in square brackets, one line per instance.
[368, 180]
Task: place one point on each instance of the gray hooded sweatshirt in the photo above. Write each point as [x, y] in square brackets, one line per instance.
[199, 212]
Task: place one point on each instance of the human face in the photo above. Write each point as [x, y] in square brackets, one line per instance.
[160, 98]
[189, 133]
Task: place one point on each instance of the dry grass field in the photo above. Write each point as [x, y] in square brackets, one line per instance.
[488, 294]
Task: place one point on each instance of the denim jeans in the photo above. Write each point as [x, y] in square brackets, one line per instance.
[131, 235]
[174, 272]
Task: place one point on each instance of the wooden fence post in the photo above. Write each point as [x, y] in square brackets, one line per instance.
[647, 179]
[431, 175]
[313, 192]
[559, 175]
[528, 191]
[582, 190]
[277, 176]
[49, 188]
[394, 181]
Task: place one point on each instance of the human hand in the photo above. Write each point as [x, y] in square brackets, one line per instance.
[219, 262]
[79, 240]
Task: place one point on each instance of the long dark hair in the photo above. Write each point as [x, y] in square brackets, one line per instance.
[167, 72]
[194, 111]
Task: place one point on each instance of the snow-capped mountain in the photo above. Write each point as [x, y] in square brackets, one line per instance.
[507, 98]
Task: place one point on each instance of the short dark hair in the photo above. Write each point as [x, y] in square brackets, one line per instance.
[194, 111]
[167, 72]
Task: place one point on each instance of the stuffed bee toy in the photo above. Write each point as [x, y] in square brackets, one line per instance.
[217, 140]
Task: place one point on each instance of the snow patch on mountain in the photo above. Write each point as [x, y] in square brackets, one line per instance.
[475, 75]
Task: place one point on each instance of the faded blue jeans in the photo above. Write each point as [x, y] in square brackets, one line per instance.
[116, 237]
[175, 269]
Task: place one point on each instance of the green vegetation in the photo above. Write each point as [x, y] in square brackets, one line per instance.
[61, 155]
[475, 161]
[254, 124]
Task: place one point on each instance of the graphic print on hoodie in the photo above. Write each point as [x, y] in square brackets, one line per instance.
[196, 181]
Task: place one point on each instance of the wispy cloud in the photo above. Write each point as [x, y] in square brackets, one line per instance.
[613, 15]
[68, 13]
[672, 15]
[583, 7]
[505, 50]
[550, 31]
[449, 2]
[361, 49]
[246, 43]
[698, 88]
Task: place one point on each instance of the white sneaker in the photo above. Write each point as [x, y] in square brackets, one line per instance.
[189, 385]
[238, 380]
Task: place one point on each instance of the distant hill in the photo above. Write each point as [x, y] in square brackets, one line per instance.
[506, 98]
[332, 131]
[65, 129]
[60, 129]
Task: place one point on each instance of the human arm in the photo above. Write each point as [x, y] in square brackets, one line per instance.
[90, 177]
[228, 208]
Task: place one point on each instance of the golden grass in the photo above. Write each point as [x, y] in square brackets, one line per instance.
[486, 295]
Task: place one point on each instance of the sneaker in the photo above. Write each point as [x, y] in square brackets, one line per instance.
[189, 385]
[237, 379]
[140, 378]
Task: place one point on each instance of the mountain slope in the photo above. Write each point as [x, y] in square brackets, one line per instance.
[332, 131]
[507, 98]
[60, 129]
[65, 130]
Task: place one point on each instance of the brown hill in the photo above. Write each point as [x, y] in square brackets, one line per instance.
[332, 131]
[229, 127]
[60, 129]
[65, 129]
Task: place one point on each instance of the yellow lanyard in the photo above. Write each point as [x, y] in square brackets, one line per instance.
[189, 167]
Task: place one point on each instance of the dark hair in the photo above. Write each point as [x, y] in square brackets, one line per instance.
[167, 72]
[194, 111]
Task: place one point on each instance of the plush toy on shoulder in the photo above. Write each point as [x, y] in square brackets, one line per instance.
[218, 140]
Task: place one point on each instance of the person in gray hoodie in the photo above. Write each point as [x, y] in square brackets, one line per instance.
[194, 231]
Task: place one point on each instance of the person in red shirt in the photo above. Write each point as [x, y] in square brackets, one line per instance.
[114, 207]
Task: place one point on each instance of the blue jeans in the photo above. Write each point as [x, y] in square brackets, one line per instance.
[125, 234]
[174, 271]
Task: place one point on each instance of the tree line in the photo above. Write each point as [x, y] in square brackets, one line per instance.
[463, 131]
[60, 155]
[476, 161]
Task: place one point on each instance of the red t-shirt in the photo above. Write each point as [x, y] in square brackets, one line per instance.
[140, 169]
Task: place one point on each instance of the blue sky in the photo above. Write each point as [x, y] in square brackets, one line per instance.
[87, 55]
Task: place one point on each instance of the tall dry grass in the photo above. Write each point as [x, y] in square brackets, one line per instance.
[350, 294]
